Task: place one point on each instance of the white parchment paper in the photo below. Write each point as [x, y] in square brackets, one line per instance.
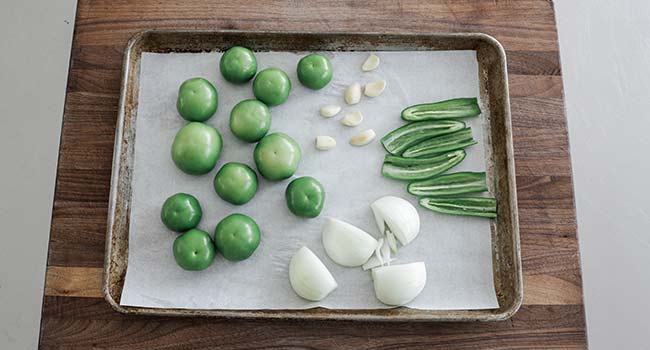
[456, 250]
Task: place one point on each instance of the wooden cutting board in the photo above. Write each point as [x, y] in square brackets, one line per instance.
[75, 316]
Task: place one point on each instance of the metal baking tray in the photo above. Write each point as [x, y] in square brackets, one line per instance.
[494, 94]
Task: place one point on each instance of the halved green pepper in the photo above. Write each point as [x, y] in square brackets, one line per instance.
[468, 206]
[448, 109]
[449, 142]
[399, 168]
[449, 184]
[398, 140]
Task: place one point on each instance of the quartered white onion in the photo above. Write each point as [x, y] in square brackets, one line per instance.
[398, 216]
[309, 277]
[346, 244]
[399, 284]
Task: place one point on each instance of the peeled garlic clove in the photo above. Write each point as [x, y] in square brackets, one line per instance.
[352, 119]
[371, 63]
[325, 143]
[346, 244]
[374, 262]
[375, 88]
[399, 284]
[330, 111]
[398, 216]
[353, 94]
[363, 138]
[309, 277]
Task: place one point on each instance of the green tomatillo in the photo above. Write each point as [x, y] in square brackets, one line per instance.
[238, 65]
[272, 86]
[314, 71]
[277, 156]
[236, 237]
[305, 197]
[194, 250]
[181, 212]
[196, 148]
[235, 183]
[197, 100]
[250, 120]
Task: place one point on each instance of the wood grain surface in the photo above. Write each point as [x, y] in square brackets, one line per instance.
[76, 317]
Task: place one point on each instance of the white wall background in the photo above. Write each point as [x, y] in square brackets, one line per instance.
[605, 53]
[35, 40]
